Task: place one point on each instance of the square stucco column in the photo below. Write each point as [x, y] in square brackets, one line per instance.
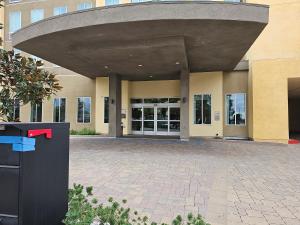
[115, 129]
[184, 106]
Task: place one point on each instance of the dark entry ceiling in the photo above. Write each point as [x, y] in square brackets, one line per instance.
[139, 41]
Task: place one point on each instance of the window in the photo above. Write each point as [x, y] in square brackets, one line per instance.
[16, 113]
[17, 51]
[37, 15]
[13, 1]
[15, 22]
[137, 1]
[136, 101]
[106, 109]
[60, 10]
[233, 0]
[236, 109]
[59, 110]
[84, 110]
[111, 2]
[35, 58]
[84, 5]
[202, 109]
[36, 112]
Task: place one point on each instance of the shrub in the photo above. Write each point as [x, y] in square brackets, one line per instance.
[85, 210]
[84, 131]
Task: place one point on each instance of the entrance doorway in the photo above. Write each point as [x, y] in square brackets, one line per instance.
[155, 116]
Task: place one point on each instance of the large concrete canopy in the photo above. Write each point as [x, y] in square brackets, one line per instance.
[143, 41]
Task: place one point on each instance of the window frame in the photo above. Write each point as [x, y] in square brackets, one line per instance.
[59, 109]
[88, 2]
[105, 3]
[56, 7]
[194, 110]
[17, 105]
[9, 23]
[42, 114]
[226, 109]
[83, 111]
[13, 1]
[37, 9]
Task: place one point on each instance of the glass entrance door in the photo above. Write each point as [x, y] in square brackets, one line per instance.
[162, 120]
[149, 119]
[155, 119]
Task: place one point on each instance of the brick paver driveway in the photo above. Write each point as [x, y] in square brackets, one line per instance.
[227, 182]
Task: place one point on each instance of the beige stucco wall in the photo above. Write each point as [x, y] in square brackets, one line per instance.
[86, 88]
[235, 82]
[102, 90]
[270, 98]
[155, 89]
[207, 83]
[274, 58]
[281, 37]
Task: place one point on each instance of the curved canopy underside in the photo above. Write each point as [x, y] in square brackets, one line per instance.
[145, 40]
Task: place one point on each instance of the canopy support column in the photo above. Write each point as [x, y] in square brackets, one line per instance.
[115, 102]
[184, 106]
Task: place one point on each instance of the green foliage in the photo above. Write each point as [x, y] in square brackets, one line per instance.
[1, 25]
[86, 210]
[23, 79]
[84, 131]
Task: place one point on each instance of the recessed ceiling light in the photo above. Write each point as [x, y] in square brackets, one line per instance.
[140, 65]
[177, 63]
[106, 67]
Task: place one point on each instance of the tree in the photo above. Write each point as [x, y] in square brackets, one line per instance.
[1, 25]
[24, 80]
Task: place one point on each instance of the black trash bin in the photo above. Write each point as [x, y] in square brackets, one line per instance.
[34, 171]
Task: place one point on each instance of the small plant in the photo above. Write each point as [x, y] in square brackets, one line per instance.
[84, 131]
[86, 210]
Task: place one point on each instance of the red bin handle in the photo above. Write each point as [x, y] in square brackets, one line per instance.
[46, 132]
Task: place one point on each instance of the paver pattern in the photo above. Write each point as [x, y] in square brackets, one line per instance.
[228, 182]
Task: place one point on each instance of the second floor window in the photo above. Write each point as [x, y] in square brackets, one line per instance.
[84, 5]
[59, 110]
[37, 15]
[202, 109]
[84, 110]
[60, 10]
[15, 21]
[137, 1]
[111, 2]
[36, 112]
